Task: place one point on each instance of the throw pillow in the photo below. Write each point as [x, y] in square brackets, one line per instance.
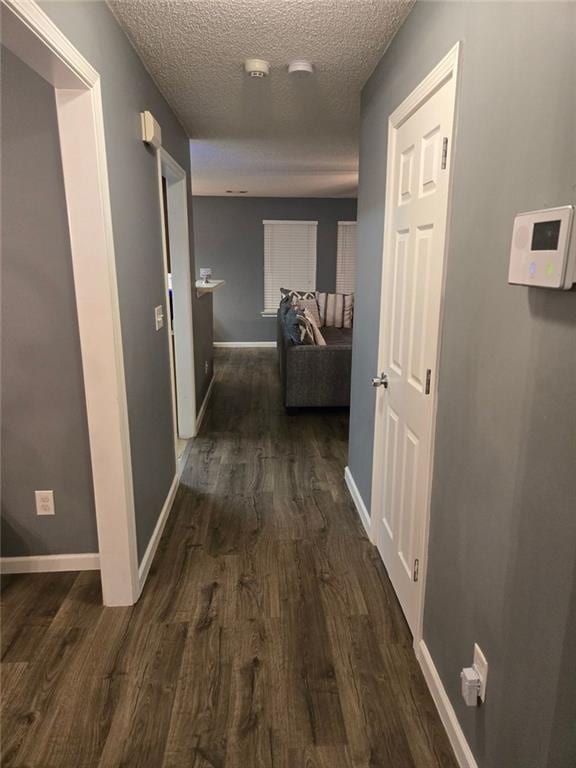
[293, 297]
[283, 308]
[306, 329]
[312, 306]
[319, 340]
[292, 326]
[336, 309]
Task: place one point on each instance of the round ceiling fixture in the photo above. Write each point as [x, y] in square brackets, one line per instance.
[257, 67]
[300, 65]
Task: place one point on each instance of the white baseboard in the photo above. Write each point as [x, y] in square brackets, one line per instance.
[233, 344]
[358, 502]
[181, 462]
[146, 562]
[204, 405]
[445, 709]
[158, 531]
[89, 561]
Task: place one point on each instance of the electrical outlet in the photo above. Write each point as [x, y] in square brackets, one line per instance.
[481, 666]
[159, 317]
[206, 366]
[44, 502]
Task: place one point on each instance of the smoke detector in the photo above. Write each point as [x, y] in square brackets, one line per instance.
[257, 67]
[300, 65]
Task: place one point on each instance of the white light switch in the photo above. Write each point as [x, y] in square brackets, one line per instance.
[159, 317]
[481, 666]
[44, 502]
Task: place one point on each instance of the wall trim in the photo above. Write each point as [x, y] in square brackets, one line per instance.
[148, 558]
[445, 709]
[204, 405]
[233, 344]
[84, 561]
[358, 502]
[69, 65]
[444, 70]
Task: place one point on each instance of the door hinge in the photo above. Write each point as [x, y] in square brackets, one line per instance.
[444, 152]
[428, 377]
[416, 569]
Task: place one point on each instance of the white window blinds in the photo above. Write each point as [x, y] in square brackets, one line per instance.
[289, 259]
[346, 257]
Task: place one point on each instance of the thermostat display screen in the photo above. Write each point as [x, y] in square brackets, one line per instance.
[545, 235]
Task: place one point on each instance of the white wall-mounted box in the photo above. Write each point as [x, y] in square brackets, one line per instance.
[151, 131]
[543, 251]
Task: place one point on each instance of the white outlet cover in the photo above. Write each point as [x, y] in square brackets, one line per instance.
[44, 502]
[159, 317]
[481, 666]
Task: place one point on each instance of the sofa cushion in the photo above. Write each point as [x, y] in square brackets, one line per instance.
[337, 337]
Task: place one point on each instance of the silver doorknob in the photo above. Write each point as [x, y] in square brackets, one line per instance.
[380, 381]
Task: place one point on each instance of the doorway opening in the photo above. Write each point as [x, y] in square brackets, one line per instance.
[173, 197]
[31, 35]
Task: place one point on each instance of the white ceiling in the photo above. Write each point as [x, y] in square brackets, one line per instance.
[284, 135]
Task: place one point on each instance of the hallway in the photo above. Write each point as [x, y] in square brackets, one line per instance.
[267, 634]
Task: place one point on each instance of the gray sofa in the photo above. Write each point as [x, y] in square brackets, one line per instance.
[315, 376]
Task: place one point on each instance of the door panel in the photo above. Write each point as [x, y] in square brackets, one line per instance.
[397, 319]
[420, 265]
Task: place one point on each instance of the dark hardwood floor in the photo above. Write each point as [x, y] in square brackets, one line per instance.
[267, 636]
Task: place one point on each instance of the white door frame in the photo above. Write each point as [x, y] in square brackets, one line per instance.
[182, 354]
[444, 71]
[30, 34]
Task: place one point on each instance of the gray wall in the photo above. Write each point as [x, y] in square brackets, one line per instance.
[229, 237]
[127, 89]
[503, 523]
[44, 428]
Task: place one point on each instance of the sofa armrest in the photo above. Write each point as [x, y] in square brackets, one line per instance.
[318, 376]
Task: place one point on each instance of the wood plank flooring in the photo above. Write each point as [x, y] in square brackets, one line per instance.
[267, 636]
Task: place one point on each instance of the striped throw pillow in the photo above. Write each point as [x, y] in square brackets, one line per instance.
[336, 309]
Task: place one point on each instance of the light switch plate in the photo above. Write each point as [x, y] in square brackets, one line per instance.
[481, 666]
[159, 317]
[44, 502]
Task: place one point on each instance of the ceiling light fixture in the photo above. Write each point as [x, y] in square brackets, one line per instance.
[300, 65]
[257, 67]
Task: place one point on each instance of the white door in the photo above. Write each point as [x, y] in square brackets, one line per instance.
[413, 265]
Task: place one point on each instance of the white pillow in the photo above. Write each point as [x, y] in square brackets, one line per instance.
[318, 338]
[312, 306]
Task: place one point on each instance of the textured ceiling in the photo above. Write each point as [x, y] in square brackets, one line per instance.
[284, 135]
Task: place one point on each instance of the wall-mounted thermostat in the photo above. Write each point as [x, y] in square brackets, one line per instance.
[543, 251]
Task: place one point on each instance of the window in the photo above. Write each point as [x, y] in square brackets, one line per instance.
[289, 259]
[346, 257]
